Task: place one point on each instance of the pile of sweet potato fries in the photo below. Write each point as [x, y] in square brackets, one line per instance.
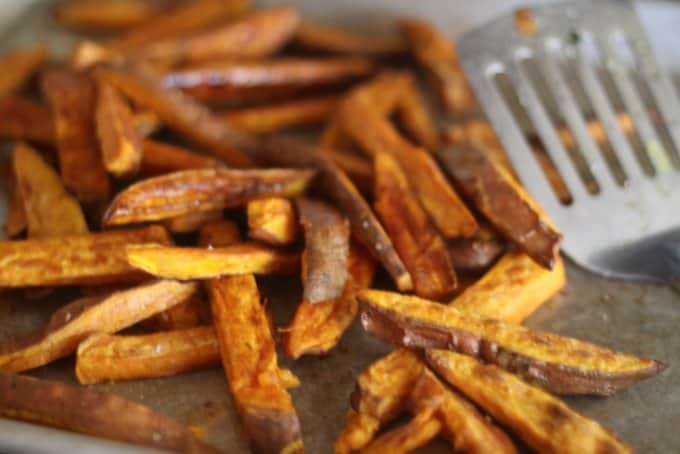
[142, 163]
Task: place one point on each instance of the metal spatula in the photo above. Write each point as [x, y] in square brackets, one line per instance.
[542, 70]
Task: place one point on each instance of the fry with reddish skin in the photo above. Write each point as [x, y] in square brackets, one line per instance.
[417, 241]
[197, 263]
[272, 220]
[408, 437]
[324, 260]
[120, 145]
[437, 57]
[106, 15]
[289, 114]
[415, 118]
[98, 414]
[86, 259]
[542, 421]
[191, 222]
[22, 119]
[264, 81]
[18, 67]
[192, 191]
[317, 328]
[159, 158]
[73, 323]
[360, 428]
[503, 202]
[50, 210]
[477, 253]
[103, 357]
[71, 97]
[219, 234]
[182, 114]
[327, 39]
[258, 385]
[357, 168]
[560, 364]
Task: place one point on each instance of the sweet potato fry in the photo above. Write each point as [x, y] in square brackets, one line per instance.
[417, 241]
[219, 234]
[324, 260]
[190, 313]
[74, 322]
[198, 263]
[412, 435]
[255, 35]
[317, 328]
[50, 209]
[327, 39]
[559, 364]
[240, 82]
[357, 168]
[382, 94]
[415, 118]
[71, 97]
[181, 114]
[21, 119]
[18, 67]
[543, 422]
[481, 135]
[191, 222]
[503, 202]
[146, 123]
[106, 15]
[272, 220]
[16, 214]
[437, 56]
[104, 357]
[159, 158]
[360, 428]
[258, 385]
[289, 114]
[87, 259]
[92, 413]
[514, 288]
[192, 191]
[477, 253]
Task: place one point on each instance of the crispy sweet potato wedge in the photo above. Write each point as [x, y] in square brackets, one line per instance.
[437, 56]
[543, 422]
[272, 220]
[198, 263]
[18, 67]
[182, 114]
[324, 260]
[238, 82]
[560, 364]
[50, 209]
[317, 328]
[190, 313]
[503, 202]
[22, 119]
[408, 437]
[76, 321]
[477, 253]
[191, 191]
[417, 241]
[219, 234]
[92, 413]
[159, 158]
[415, 118]
[87, 259]
[514, 288]
[258, 385]
[71, 97]
[191, 222]
[360, 429]
[104, 357]
[106, 15]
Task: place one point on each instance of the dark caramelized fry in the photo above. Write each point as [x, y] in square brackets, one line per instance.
[106, 15]
[159, 158]
[219, 234]
[477, 253]
[16, 214]
[21, 119]
[328, 39]
[358, 168]
[272, 220]
[18, 67]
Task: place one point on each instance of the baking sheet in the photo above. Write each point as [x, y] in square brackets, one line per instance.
[640, 319]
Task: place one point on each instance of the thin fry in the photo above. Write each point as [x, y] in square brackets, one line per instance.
[415, 118]
[327, 39]
[272, 220]
[106, 15]
[22, 119]
[159, 158]
[18, 67]
[357, 168]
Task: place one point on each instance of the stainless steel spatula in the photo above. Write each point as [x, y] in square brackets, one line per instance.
[541, 71]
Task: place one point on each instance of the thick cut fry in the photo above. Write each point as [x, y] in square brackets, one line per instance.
[543, 422]
[360, 429]
[417, 241]
[159, 158]
[272, 220]
[16, 214]
[256, 35]
[18, 67]
[289, 114]
[198, 263]
[503, 202]
[437, 56]
[477, 253]
[92, 413]
[514, 288]
[74, 322]
[182, 114]
[317, 328]
[120, 144]
[106, 15]
[219, 234]
[412, 435]
[71, 97]
[191, 222]
[88, 259]
[415, 118]
[327, 39]
[324, 260]
[263, 81]
[258, 385]
[192, 191]
[21, 119]
[190, 313]
[50, 209]
[357, 168]
[560, 364]
[103, 357]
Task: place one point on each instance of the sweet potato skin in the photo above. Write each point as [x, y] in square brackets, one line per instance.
[272, 220]
[22, 119]
[477, 253]
[18, 67]
[159, 158]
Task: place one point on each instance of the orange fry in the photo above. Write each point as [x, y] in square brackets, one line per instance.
[146, 123]
[18, 67]
[22, 119]
[191, 222]
[106, 15]
[272, 220]
[412, 435]
[357, 168]
[159, 158]
[192, 312]
[415, 118]
[360, 428]
[328, 39]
